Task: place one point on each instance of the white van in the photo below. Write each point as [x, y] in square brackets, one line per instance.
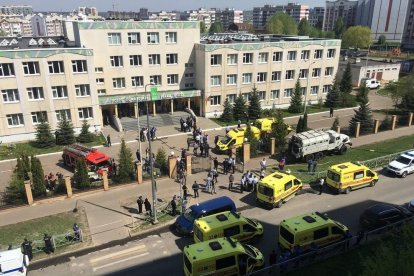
[372, 83]
[403, 165]
[13, 262]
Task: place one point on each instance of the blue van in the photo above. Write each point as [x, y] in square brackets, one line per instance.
[185, 222]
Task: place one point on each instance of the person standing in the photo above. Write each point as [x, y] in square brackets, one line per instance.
[147, 205]
[272, 260]
[331, 111]
[215, 162]
[321, 182]
[238, 124]
[185, 191]
[108, 140]
[48, 244]
[27, 249]
[263, 164]
[225, 166]
[231, 181]
[213, 187]
[196, 187]
[76, 232]
[140, 202]
[216, 139]
[282, 164]
[310, 164]
[138, 155]
[173, 206]
[314, 164]
[208, 183]
[227, 130]
[202, 150]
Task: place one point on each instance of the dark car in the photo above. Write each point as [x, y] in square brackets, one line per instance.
[381, 215]
[410, 206]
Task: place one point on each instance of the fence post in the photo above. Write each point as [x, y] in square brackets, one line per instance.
[188, 163]
[53, 242]
[338, 129]
[272, 146]
[357, 127]
[29, 195]
[81, 234]
[410, 118]
[376, 125]
[105, 180]
[172, 166]
[68, 186]
[393, 121]
[246, 152]
[139, 172]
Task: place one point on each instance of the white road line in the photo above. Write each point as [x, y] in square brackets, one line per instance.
[102, 225]
[119, 253]
[120, 261]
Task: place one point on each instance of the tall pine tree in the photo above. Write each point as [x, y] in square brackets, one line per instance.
[239, 108]
[85, 136]
[279, 131]
[296, 99]
[345, 86]
[65, 135]
[81, 177]
[299, 126]
[44, 136]
[254, 109]
[362, 94]
[38, 182]
[254, 143]
[305, 122]
[363, 115]
[227, 115]
[333, 98]
[126, 170]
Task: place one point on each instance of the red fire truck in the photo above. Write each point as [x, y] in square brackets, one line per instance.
[95, 160]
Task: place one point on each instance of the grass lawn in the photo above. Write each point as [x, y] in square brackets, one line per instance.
[29, 149]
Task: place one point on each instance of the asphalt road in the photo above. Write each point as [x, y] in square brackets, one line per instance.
[161, 254]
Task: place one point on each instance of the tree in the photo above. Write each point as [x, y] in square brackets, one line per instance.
[249, 135]
[339, 28]
[15, 191]
[85, 136]
[126, 171]
[281, 23]
[405, 87]
[81, 177]
[203, 27]
[161, 160]
[362, 94]
[65, 135]
[363, 115]
[386, 123]
[304, 28]
[346, 81]
[382, 40]
[279, 131]
[335, 124]
[395, 91]
[296, 99]
[216, 27]
[357, 37]
[227, 115]
[38, 182]
[239, 108]
[299, 126]
[254, 109]
[333, 98]
[23, 167]
[44, 136]
[305, 122]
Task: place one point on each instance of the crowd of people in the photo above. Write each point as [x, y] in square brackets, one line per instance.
[146, 134]
[52, 180]
[187, 124]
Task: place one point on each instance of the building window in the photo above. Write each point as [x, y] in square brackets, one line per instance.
[314, 90]
[303, 73]
[101, 91]
[232, 59]
[82, 90]
[276, 75]
[248, 58]
[118, 83]
[10, 95]
[305, 55]
[328, 71]
[134, 38]
[31, 68]
[215, 60]
[153, 37]
[291, 55]
[117, 61]
[172, 79]
[277, 56]
[35, 93]
[38, 117]
[99, 70]
[232, 79]
[114, 38]
[172, 58]
[79, 66]
[59, 92]
[247, 78]
[155, 79]
[246, 96]
[154, 59]
[6, 69]
[189, 65]
[63, 113]
[316, 72]
[290, 74]
[215, 100]
[263, 57]
[215, 80]
[288, 92]
[15, 120]
[56, 67]
[326, 88]
[302, 91]
[189, 85]
[85, 113]
[330, 53]
[274, 94]
[318, 54]
[100, 80]
[171, 37]
[189, 75]
[231, 98]
[137, 81]
[262, 95]
[135, 60]
[261, 77]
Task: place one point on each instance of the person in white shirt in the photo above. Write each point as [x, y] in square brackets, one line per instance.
[255, 180]
[263, 164]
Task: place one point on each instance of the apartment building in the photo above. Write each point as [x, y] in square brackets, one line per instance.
[229, 16]
[408, 36]
[262, 14]
[16, 9]
[316, 15]
[207, 16]
[272, 66]
[346, 9]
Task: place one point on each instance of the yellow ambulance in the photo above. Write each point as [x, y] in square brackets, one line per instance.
[227, 224]
[277, 188]
[235, 137]
[310, 230]
[224, 256]
[349, 176]
[265, 124]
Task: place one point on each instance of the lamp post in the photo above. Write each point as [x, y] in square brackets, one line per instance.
[307, 87]
[139, 137]
[154, 192]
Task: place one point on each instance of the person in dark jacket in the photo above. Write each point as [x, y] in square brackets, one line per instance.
[173, 206]
[147, 205]
[49, 248]
[196, 187]
[27, 249]
[140, 202]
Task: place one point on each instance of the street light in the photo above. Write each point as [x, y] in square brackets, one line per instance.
[139, 136]
[307, 87]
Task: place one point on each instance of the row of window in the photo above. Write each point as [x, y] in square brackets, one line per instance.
[135, 38]
[136, 60]
[247, 78]
[138, 81]
[263, 57]
[274, 94]
[16, 120]
[32, 68]
[37, 93]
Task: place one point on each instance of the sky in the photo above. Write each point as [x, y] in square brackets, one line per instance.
[152, 5]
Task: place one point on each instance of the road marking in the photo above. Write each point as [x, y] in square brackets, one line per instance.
[119, 253]
[120, 261]
[102, 225]
[6, 171]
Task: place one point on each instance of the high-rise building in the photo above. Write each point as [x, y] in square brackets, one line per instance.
[248, 16]
[408, 36]
[383, 18]
[229, 16]
[262, 14]
[316, 15]
[346, 9]
[207, 16]
[20, 10]
[92, 11]
[49, 25]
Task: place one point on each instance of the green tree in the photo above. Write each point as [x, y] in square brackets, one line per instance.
[38, 182]
[44, 136]
[126, 171]
[304, 28]
[203, 27]
[161, 160]
[357, 37]
[15, 191]
[386, 123]
[85, 136]
[227, 115]
[23, 167]
[254, 109]
[216, 27]
[296, 99]
[279, 131]
[333, 98]
[382, 40]
[299, 126]
[405, 87]
[346, 81]
[335, 124]
[254, 144]
[305, 122]
[363, 115]
[362, 94]
[274, 27]
[329, 34]
[395, 91]
[81, 177]
[281, 23]
[65, 135]
[239, 108]
[339, 28]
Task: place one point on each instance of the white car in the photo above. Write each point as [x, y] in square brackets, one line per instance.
[13, 262]
[403, 165]
[372, 84]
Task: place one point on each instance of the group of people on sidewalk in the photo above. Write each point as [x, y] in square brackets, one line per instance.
[187, 124]
[52, 180]
[146, 135]
[147, 205]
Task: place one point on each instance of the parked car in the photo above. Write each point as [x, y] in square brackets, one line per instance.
[381, 215]
[410, 205]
